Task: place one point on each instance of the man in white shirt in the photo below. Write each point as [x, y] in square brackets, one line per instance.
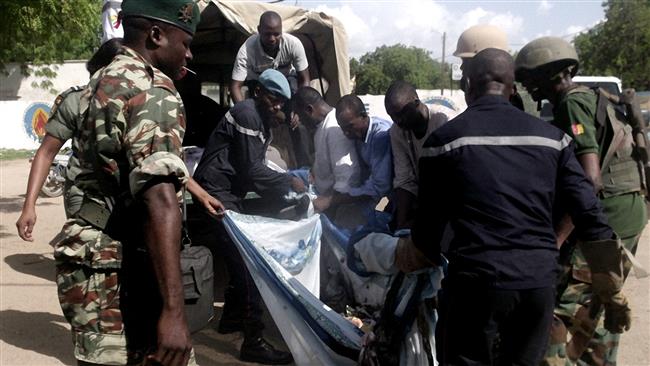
[270, 48]
[335, 165]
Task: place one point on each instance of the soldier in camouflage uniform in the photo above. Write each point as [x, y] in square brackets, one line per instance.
[118, 268]
[545, 66]
[64, 123]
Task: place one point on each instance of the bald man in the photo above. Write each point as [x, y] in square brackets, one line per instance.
[270, 48]
[492, 175]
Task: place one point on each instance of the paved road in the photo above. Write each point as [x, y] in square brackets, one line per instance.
[33, 331]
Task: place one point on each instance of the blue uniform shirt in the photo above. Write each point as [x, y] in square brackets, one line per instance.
[493, 174]
[375, 152]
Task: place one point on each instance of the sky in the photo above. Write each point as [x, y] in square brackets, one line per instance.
[421, 23]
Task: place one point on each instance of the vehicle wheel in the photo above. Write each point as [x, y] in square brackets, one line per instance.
[52, 187]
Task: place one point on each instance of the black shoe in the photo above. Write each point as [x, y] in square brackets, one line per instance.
[261, 351]
[230, 325]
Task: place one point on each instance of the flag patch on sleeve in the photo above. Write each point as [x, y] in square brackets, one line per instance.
[577, 128]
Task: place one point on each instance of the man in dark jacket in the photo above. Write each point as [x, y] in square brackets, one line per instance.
[503, 171]
[232, 165]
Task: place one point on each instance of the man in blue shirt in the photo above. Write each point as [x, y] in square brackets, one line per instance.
[372, 142]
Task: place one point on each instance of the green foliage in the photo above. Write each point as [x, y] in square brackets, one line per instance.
[620, 46]
[48, 31]
[354, 67]
[12, 154]
[376, 70]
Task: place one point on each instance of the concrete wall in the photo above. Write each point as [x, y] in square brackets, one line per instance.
[24, 108]
[453, 99]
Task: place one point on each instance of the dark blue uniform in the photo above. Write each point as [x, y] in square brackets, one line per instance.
[233, 164]
[492, 176]
[234, 160]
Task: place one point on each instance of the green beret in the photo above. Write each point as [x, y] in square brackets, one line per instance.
[181, 13]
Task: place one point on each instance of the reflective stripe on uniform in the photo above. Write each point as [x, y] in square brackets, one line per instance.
[244, 130]
[498, 141]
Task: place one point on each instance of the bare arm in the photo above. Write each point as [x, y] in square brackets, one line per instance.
[162, 234]
[211, 204]
[303, 77]
[235, 91]
[591, 166]
[563, 230]
[322, 203]
[37, 174]
[405, 201]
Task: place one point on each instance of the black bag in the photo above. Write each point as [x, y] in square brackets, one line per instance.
[198, 286]
[198, 280]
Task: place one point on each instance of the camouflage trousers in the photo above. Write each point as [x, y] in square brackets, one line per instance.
[90, 299]
[577, 333]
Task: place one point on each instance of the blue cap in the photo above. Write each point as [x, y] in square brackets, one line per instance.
[275, 82]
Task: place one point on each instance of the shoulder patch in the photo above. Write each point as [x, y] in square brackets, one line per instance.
[577, 128]
[59, 98]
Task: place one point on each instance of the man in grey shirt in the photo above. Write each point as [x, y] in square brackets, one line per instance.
[270, 48]
[413, 122]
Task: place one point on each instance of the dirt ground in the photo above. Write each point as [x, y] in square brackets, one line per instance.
[34, 332]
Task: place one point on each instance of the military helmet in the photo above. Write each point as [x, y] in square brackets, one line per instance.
[479, 37]
[548, 56]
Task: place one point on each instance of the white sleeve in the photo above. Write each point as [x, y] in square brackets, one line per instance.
[299, 57]
[343, 159]
[240, 68]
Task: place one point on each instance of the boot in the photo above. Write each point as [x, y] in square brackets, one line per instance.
[259, 350]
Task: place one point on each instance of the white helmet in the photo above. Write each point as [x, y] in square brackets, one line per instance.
[479, 37]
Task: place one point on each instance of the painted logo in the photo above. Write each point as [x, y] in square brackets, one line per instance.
[36, 116]
[442, 101]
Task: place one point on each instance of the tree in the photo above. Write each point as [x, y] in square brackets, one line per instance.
[376, 70]
[619, 46]
[48, 31]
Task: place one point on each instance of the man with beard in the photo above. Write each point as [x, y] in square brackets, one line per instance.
[232, 165]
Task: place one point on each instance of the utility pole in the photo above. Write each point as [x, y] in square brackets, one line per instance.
[442, 65]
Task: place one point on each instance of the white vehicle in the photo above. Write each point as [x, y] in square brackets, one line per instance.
[610, 84]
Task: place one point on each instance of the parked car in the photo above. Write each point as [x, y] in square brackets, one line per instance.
[610, 84]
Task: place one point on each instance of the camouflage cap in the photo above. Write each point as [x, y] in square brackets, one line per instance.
[181, 13]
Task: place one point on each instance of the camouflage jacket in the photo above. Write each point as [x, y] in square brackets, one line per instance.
[131, 133]
[65, 123]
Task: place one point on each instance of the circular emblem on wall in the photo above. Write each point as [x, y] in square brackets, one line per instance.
[34, 120]
[442, 101]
